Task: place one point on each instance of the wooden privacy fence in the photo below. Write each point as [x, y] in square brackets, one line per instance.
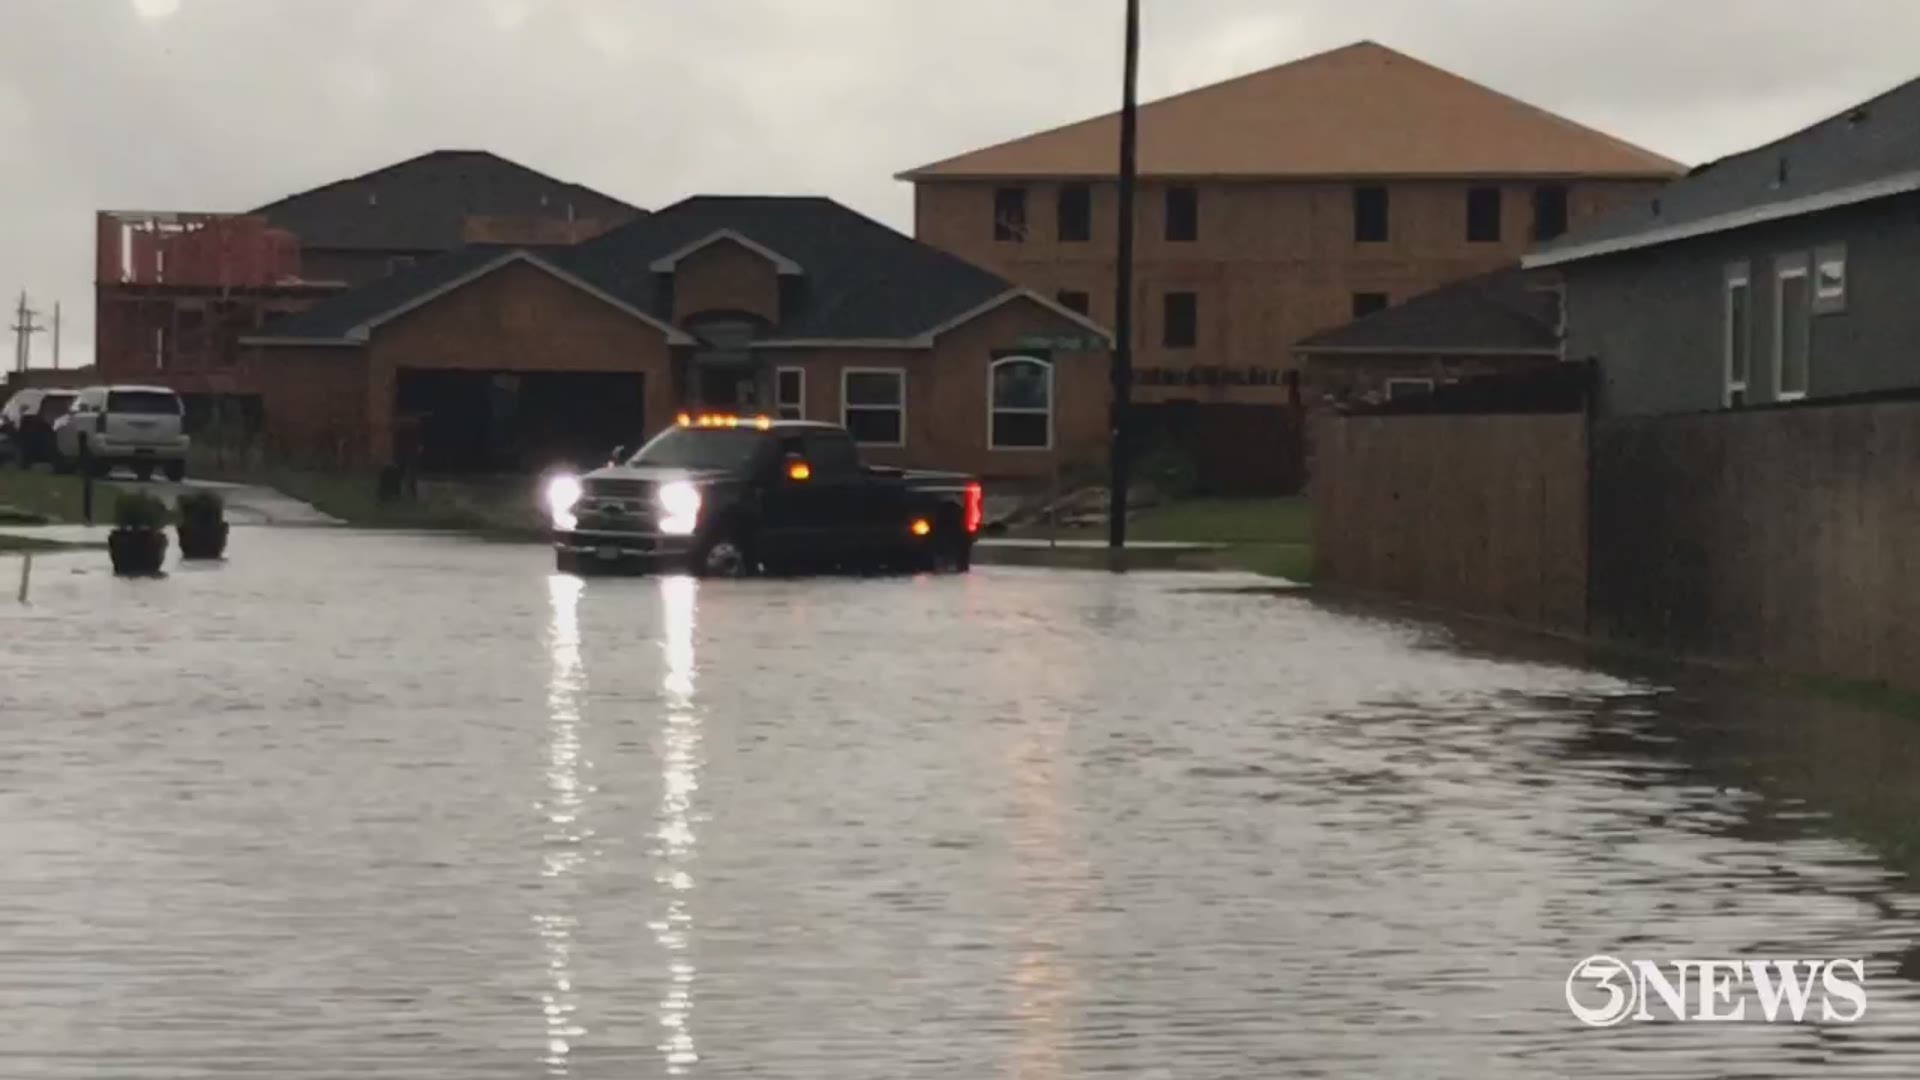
[1481, 514]
[1785, 537]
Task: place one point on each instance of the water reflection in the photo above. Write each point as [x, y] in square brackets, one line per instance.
[564, 833]
[680, 779]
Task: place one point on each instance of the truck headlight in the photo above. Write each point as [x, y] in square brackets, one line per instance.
[563, 493]
[679, 508]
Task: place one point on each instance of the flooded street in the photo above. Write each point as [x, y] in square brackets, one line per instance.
[390, 806]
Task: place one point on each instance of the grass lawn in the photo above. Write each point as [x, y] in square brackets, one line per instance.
[1272, 536]
[54, 497]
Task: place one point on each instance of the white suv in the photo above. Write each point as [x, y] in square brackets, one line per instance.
[138, 427]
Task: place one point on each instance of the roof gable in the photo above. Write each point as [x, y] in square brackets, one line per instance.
[1870, 151]
[351, 318]
[1495, 314]
[423, 203]
[1362, 110]
[782, 265]
[863, 281]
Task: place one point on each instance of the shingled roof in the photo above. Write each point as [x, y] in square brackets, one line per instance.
[1868, 152]
[422, 204]
[1495, 314]
[854, 279]
[1362, 110]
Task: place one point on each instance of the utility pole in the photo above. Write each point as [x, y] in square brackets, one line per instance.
[56, 335]
[1122, 374]
[23, 330]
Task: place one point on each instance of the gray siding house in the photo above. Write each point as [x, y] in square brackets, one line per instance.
[1789, 272]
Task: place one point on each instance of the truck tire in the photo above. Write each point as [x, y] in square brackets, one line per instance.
[176, 471]
[952, 549]
[727, 552]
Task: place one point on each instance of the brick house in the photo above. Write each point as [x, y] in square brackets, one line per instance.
[498, 357]
[1277, 205]
[174, 292]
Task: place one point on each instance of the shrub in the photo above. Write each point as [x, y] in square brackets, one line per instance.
[202, 507]
[138, 510]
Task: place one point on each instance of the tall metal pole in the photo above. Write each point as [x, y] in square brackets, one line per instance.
[1122, 375]
[56, 335]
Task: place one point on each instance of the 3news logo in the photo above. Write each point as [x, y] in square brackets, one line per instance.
[1603, 991]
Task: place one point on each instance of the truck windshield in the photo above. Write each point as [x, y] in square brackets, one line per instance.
[728, 449]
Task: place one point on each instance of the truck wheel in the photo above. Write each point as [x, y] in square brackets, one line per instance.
[176, 471]
[953, 548]
[727, 553]
[143, 472]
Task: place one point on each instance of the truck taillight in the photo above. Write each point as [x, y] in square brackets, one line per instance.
[974, 510]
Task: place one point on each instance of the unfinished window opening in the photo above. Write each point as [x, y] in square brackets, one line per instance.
[1180, 320]
[1075, 214]
[1010, 215]
[1550, 211]
[1483, 215]
[1370, 210]
[1183, 215]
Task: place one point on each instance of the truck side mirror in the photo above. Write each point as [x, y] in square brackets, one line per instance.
[797, 468]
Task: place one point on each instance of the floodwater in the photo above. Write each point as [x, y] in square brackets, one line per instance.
[386, 806]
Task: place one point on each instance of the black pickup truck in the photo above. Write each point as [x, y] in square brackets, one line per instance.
[730, 496]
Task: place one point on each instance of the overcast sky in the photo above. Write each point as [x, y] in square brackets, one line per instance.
[227, 104]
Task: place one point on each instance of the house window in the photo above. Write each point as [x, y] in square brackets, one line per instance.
[1076, 214]
[1483, 215]
[1075, 300]
[1020, 400]
[1738, 334]
[1180, 320]
[790, 393]
[1830, 280]
[1370, 215]
[1183, 215]
[1406, 388]
[873, 405]
[1010, 214]
[1549, 211]
[1366, 303]
[1792, 323]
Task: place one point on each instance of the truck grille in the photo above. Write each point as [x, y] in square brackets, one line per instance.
[616, 489]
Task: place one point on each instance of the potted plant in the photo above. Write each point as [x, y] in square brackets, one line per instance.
[138, 543]
[202, 525]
